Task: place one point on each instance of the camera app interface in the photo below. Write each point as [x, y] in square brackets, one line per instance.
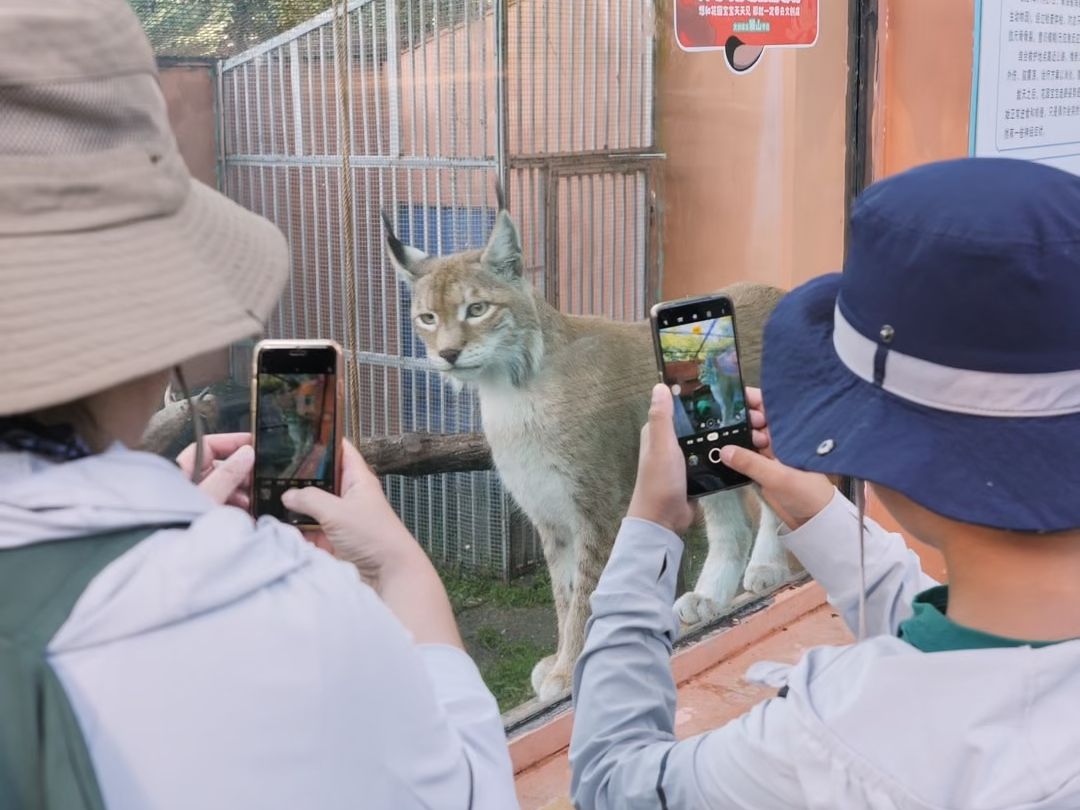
[702, 369]
[295, 440]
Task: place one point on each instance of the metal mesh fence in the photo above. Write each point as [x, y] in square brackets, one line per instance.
[441, 96]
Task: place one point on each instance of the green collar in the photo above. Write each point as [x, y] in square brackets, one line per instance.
[931, 630]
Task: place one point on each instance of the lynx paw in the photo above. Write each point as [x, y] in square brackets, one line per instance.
[555, 685]
[762, 577]
[693, 608]
[540, 672]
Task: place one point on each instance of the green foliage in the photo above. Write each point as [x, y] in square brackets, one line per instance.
[507, 667]
[469, 591]
[218, 27]
[225, 27]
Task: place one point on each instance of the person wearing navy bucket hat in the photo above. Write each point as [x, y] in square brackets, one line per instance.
[941, 368]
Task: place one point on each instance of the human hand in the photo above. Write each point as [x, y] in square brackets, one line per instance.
[660, 491]
[226, 467]
[794, 495]
[359, 525]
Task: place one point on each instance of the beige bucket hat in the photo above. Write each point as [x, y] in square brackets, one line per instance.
[114, 262]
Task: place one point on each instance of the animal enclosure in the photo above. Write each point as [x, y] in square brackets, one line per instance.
[415, 107]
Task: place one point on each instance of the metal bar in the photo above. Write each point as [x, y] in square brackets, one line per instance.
[609, 75]
[580, 245]
[364, 87]
[297, 109]
[519, 147]
[413, 144]
[219, 128]
[580, 111]
[376, 73]
[258, 108]
[364, 162]
[547, 73]
[393, 87]
[595, 73]
[603, 244]
[592, 243]
[322, 92]
[534, 146]
[550, 185]
[619, 76]
[502, 102]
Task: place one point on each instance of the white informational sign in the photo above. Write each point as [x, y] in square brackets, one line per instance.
[1026, 90]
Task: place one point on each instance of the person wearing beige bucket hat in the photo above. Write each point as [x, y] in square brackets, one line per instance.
[158, 648]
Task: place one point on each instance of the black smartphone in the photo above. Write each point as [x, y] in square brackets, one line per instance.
[296, 402]
[697, 349]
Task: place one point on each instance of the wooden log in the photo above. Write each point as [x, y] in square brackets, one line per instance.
[417, 454]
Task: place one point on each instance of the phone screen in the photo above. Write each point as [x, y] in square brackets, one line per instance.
[296, 426]
[700, 363]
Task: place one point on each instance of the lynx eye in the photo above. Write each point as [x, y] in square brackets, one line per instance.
[427, 318]
[477, 309]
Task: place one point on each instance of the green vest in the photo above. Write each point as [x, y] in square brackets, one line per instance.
[44, 762]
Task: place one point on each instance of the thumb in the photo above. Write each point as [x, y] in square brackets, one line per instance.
[229, 474]
[318, 503]
[660, 408]
[765, 471]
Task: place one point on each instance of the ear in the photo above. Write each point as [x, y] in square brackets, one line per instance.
[503, 255]
[406, 260]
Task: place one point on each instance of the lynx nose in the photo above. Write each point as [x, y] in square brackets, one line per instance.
[450, 355]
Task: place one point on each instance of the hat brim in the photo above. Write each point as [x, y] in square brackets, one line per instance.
[1006, 473]
[82, 312]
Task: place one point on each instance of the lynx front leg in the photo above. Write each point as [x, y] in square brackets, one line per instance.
[592, 552]
[561, 562]
[729, 531]
[768, 566]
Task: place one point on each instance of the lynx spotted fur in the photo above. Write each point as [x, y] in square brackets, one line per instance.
[563, 399]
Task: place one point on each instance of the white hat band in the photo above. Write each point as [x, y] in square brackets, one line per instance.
[977, 393]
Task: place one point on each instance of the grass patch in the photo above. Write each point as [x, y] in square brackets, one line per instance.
[470, 590]
[507, 666]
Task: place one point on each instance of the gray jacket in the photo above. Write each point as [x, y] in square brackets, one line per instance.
[874, 725]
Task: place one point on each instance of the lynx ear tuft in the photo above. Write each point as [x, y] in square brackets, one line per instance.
[503, 254]
[407, 260]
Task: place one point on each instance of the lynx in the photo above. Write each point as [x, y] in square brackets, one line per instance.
[562, 400]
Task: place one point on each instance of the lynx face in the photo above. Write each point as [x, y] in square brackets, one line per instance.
[473, 310]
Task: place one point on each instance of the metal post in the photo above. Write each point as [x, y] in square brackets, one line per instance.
[502, 98]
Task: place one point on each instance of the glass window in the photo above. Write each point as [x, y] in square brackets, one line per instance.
[648, 151]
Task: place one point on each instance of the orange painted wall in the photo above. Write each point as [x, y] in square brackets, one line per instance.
[923, 94]
[754, 181]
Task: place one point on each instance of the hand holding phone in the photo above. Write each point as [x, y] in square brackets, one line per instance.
[698, 355]
[297, 397]
[660, 489]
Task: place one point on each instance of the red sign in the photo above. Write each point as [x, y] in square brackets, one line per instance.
[711, 24]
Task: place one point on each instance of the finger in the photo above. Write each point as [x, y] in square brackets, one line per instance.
[216, 446]
[318, 503]
[757, 419]
[761, 439]
[240, 500]
[754, 398]
[222, 445]
[661, 408]
[227, 477]
[766, 471]
[354, 469]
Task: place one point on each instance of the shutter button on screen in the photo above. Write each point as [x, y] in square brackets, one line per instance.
[714, 455]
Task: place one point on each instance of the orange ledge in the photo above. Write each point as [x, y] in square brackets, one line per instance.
[533, 747]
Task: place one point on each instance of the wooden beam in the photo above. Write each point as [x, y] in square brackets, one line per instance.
[416, 454]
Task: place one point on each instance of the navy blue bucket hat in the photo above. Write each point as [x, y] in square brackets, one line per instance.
[944, 362]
